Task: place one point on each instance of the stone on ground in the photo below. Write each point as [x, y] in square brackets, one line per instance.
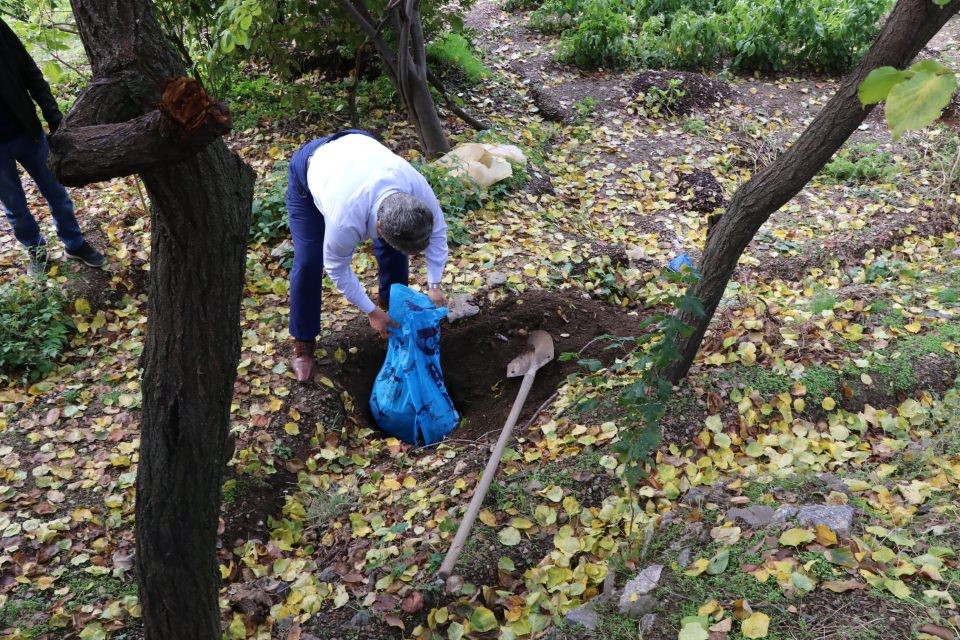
[635, 601]
[756, 516]
[838, 517]
[461, 307]
[585, 616]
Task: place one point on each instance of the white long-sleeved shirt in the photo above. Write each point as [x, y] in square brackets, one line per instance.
[349, 179]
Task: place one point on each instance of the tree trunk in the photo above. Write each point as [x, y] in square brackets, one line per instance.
[911, 24]
[407, 67]
[200, 221]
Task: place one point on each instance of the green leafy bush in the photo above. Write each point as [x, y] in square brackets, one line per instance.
[453, 50]
[603, 37]
[459, 196]
[521, 5]
[34, 328]
[269, 222]
[704, 34]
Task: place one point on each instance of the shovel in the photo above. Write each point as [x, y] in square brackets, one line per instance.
[525, 365]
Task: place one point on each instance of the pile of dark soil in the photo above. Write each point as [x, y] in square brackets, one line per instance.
[474, 353]
[699, 91]
[707, 194]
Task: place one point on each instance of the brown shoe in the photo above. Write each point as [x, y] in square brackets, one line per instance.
[303, 363]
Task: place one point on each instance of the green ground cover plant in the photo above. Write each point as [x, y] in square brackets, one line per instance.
[452, 50]
[744, 35]
[34, 328]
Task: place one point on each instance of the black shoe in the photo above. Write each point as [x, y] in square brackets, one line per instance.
[87, 255]
[37, 266]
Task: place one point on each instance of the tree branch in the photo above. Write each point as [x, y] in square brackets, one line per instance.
[364, 20]
[461, 113]
[186, 122]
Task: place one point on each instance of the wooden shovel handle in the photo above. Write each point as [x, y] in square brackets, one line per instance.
[481, 491]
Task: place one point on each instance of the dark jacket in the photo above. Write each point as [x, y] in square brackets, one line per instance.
[22, 84]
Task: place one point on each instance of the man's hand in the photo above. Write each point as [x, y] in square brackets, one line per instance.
[380, 321]
[437, 297]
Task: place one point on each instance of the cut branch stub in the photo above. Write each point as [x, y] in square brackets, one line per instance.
[187, 105]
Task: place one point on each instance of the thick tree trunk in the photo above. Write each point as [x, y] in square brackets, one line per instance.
[200, 225]
[201, 218]
[911, 24]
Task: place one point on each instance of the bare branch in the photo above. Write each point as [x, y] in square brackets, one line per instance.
[461, 113]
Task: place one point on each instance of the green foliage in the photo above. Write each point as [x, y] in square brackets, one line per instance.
[285, 34]
[705, 34]
[860, 164]
[453, 50]
[601, 38]
[34, 328]
[521, 5]
[694, 126]
[459, 196]
[662, 100]
[822, 301]
[269, 221]
[645, 399]
[584, 108]
[914, 97]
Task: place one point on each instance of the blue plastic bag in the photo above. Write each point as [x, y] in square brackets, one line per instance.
[409, 399]
[681, 261]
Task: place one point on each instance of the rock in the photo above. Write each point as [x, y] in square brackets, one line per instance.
[756, 516]
[533, 486]
[634, 601]
[327, 575]
[609, 588]
[647, 623]
[835, 483]
[496, 279]
[784, 513]
[359, 620]
[282, 249]
[694, 497]
[638, 608]
[461, 307]
[683, 559]
[585, 616]
[838, 517]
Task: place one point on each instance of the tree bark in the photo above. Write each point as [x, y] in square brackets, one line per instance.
[156, 139]
[406, 67]
[200, 221]
[911, 24]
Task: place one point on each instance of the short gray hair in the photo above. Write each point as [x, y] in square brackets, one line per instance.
[406, 223]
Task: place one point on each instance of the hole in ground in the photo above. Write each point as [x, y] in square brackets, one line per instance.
[474, 353]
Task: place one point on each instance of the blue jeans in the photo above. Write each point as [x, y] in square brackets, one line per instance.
[32, 156]
[307, 228]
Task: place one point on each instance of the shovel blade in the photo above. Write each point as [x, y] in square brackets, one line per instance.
[541, 353]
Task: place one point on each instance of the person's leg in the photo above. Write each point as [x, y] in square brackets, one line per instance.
[394, 268]
[14, 200]
[33, 157]
[306, 276]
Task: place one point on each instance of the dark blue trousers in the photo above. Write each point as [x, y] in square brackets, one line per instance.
[32, 156]
[307, 228]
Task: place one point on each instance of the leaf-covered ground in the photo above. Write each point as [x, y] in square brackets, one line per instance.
[827, 378]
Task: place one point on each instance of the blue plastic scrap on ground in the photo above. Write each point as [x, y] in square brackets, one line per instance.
[409, 400]
[680, 261]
